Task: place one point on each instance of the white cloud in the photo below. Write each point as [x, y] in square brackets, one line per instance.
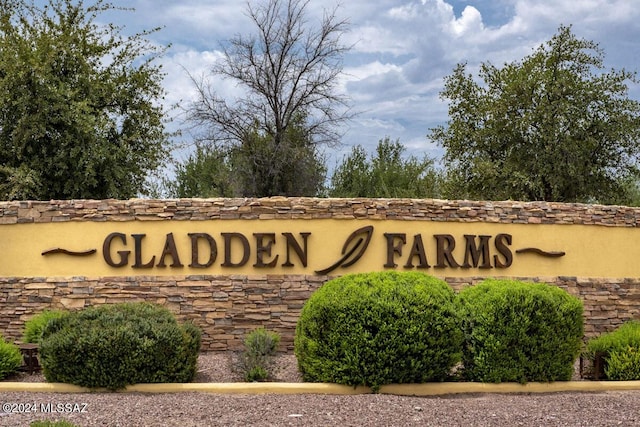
[180, 65]
[213, 18]
[404, 13]
[373, 69]
[470, 21]
[373, 39]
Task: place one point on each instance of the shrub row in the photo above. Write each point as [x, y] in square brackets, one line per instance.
[365, 329]
[406, 327]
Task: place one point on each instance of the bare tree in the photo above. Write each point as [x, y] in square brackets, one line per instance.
[289, 70]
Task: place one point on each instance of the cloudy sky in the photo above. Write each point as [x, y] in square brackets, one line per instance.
[402, 49]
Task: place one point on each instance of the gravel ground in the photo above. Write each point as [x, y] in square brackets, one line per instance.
[205, 409]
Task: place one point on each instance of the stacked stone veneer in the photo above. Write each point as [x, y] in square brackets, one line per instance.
[227, 306]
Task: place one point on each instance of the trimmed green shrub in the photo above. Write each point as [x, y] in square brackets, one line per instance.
[623, 365]
[620, 351]
[519, 332]
[379, 328]
[256, 361]
[115, 345]
[34, 326]
[10, 358]
[626, 335]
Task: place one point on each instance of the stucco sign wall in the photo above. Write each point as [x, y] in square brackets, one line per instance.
[231, 265]
[316, 246]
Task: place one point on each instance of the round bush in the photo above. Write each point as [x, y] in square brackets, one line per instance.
[379, 328]
[115, 345]
[10, 358]
[519, 332]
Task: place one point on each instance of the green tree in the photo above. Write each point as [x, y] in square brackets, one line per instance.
[289, 72]
[205, 173]
[555, 126]
[253, 167]
[385, 174]
[292, 167]
[79, 111]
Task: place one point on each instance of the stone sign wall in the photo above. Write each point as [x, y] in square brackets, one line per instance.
[228, 304]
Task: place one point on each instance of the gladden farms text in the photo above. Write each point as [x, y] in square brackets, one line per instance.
[231, 250]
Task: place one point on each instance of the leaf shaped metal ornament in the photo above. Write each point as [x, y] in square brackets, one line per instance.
[352, 250]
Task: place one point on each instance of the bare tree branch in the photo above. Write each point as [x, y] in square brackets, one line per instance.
[288, 69]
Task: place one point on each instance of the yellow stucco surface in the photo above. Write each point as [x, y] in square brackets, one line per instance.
[590, 251]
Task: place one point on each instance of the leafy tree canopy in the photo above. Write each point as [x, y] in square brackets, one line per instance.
[555, 126]
[79, 112]
[384, 174]
[255, 167]
[205, 173]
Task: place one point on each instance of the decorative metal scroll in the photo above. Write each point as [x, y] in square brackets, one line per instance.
[550, 254]
[68, 252]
